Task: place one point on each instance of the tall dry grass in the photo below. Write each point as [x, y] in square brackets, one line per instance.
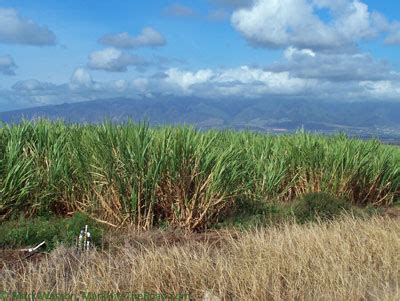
[347, 259]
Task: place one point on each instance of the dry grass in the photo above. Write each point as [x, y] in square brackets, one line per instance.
[347, 259]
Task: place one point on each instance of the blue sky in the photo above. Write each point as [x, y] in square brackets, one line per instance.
[64, 51]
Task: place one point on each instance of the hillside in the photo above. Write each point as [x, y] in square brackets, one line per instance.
[359, 118]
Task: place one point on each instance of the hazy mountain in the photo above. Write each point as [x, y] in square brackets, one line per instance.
[260, 114]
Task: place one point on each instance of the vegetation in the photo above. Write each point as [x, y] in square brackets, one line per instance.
[319, 205]
[122, 174]
[123, 178]
[347, 259]
[54, 231]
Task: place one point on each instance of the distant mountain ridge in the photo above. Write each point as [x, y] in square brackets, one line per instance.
[256, 114]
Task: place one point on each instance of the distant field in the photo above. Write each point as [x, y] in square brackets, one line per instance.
[133, 174]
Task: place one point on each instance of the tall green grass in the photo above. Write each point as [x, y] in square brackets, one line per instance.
[131, 173]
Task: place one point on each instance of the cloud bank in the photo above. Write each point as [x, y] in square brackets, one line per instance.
[240, 82]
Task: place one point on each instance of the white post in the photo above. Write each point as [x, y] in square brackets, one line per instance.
[88, 241]
[80, 239]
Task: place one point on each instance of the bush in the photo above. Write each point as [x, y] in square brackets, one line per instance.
[247, 214]
[29, 232]
[318, 205]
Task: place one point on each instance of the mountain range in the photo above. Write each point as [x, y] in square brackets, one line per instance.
[355, 118]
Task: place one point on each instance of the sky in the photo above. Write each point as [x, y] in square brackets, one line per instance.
[54, 52]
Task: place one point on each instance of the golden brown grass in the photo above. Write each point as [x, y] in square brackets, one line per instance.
[348, 259]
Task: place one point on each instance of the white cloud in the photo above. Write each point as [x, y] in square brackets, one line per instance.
[31, 85]
[114, 60]
[283, 23]
[243, 81]
[81, 79]
[15, 29]
[34, 92]
[384, 89]
[7, 65]
[292, 53]
[305, 63]
[187, 79]
[81, 87]
[141, 85]
[120, 85]
[149, 37]
[251, 82]
[254, 82]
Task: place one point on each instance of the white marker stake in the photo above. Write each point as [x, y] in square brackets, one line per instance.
[88, 241]
[30, 250]
[80, 240]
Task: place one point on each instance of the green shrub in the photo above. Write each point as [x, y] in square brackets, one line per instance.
[29, 232]
[247, 214]
[319, 205]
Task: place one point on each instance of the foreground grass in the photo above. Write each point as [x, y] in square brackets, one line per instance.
[347, 259]
[131, 174]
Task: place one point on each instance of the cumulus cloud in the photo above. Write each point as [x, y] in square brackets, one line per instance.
[34, 92]
[381, 89]
[305, 63]
[243, 81]
[149, 37]
[81, 78]
[15, 29]
[179, 10]
[114, 60]
[81, 87]
[187, 79]
[283, 23]
[7, 65]
[251, 82]
[82, 84]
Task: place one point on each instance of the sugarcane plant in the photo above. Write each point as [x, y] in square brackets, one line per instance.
[133, 174]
